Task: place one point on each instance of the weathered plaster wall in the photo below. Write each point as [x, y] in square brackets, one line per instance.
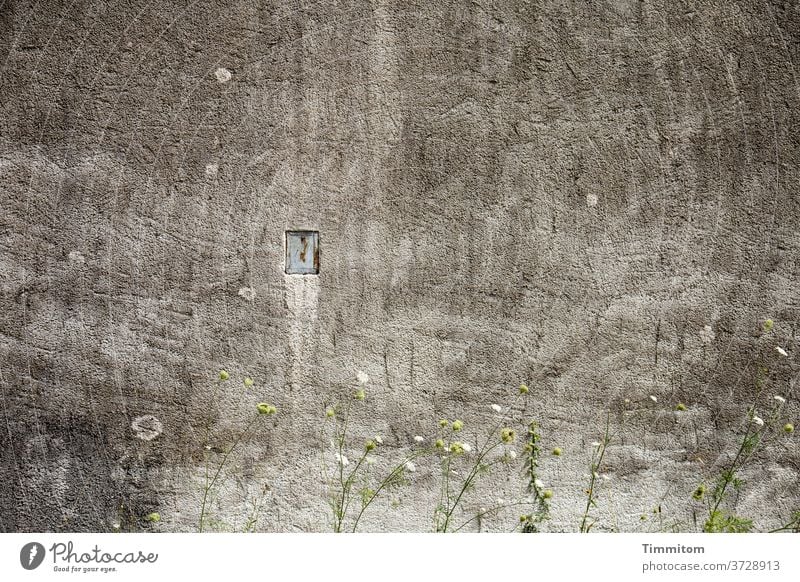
[559, 193]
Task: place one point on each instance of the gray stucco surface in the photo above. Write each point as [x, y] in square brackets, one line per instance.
[596, 199]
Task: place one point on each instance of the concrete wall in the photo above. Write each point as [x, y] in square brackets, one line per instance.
[598, 199]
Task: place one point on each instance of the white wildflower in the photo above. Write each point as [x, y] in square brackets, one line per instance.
[757, 420]
[369, 459]
[362, 377]
[342, 460]
[512, 455]
[781, 351]
[538, 483]
[596, 475]
[466, 447]
[653, 398]
[419, 439]
[780, 399]
[606, 477]
[378, 439]
[595, 444]
[497, 408]
[410, 467]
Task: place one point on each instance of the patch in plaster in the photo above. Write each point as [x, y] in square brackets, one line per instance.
[76, 257]
[222, 74]
[147, 427]
[707, 334]
[247, 293]
[211, 170]
[591, 200]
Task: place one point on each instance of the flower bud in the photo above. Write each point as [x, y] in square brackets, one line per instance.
[264, 408]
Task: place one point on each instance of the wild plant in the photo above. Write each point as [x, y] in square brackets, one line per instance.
[351, 491]
[531, 522]
[758, 432]
[455, 452]
[212, 475]
[595, 467]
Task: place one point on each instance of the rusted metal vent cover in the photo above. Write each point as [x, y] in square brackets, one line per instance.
[302, 252]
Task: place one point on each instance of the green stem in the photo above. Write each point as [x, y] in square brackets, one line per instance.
[595, 467]
[389, 478]
[467, 481]
[221, 465]
[481, 455]
[490, 510]
[339, 509]
[349, 483]
[729, 474]
[205, 455]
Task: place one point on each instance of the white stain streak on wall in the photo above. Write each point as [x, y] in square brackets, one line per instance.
[302, 301]
[384, 64]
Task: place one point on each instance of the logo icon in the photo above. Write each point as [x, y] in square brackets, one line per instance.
[31, 555]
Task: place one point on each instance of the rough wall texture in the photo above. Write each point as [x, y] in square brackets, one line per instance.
[596, 198]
